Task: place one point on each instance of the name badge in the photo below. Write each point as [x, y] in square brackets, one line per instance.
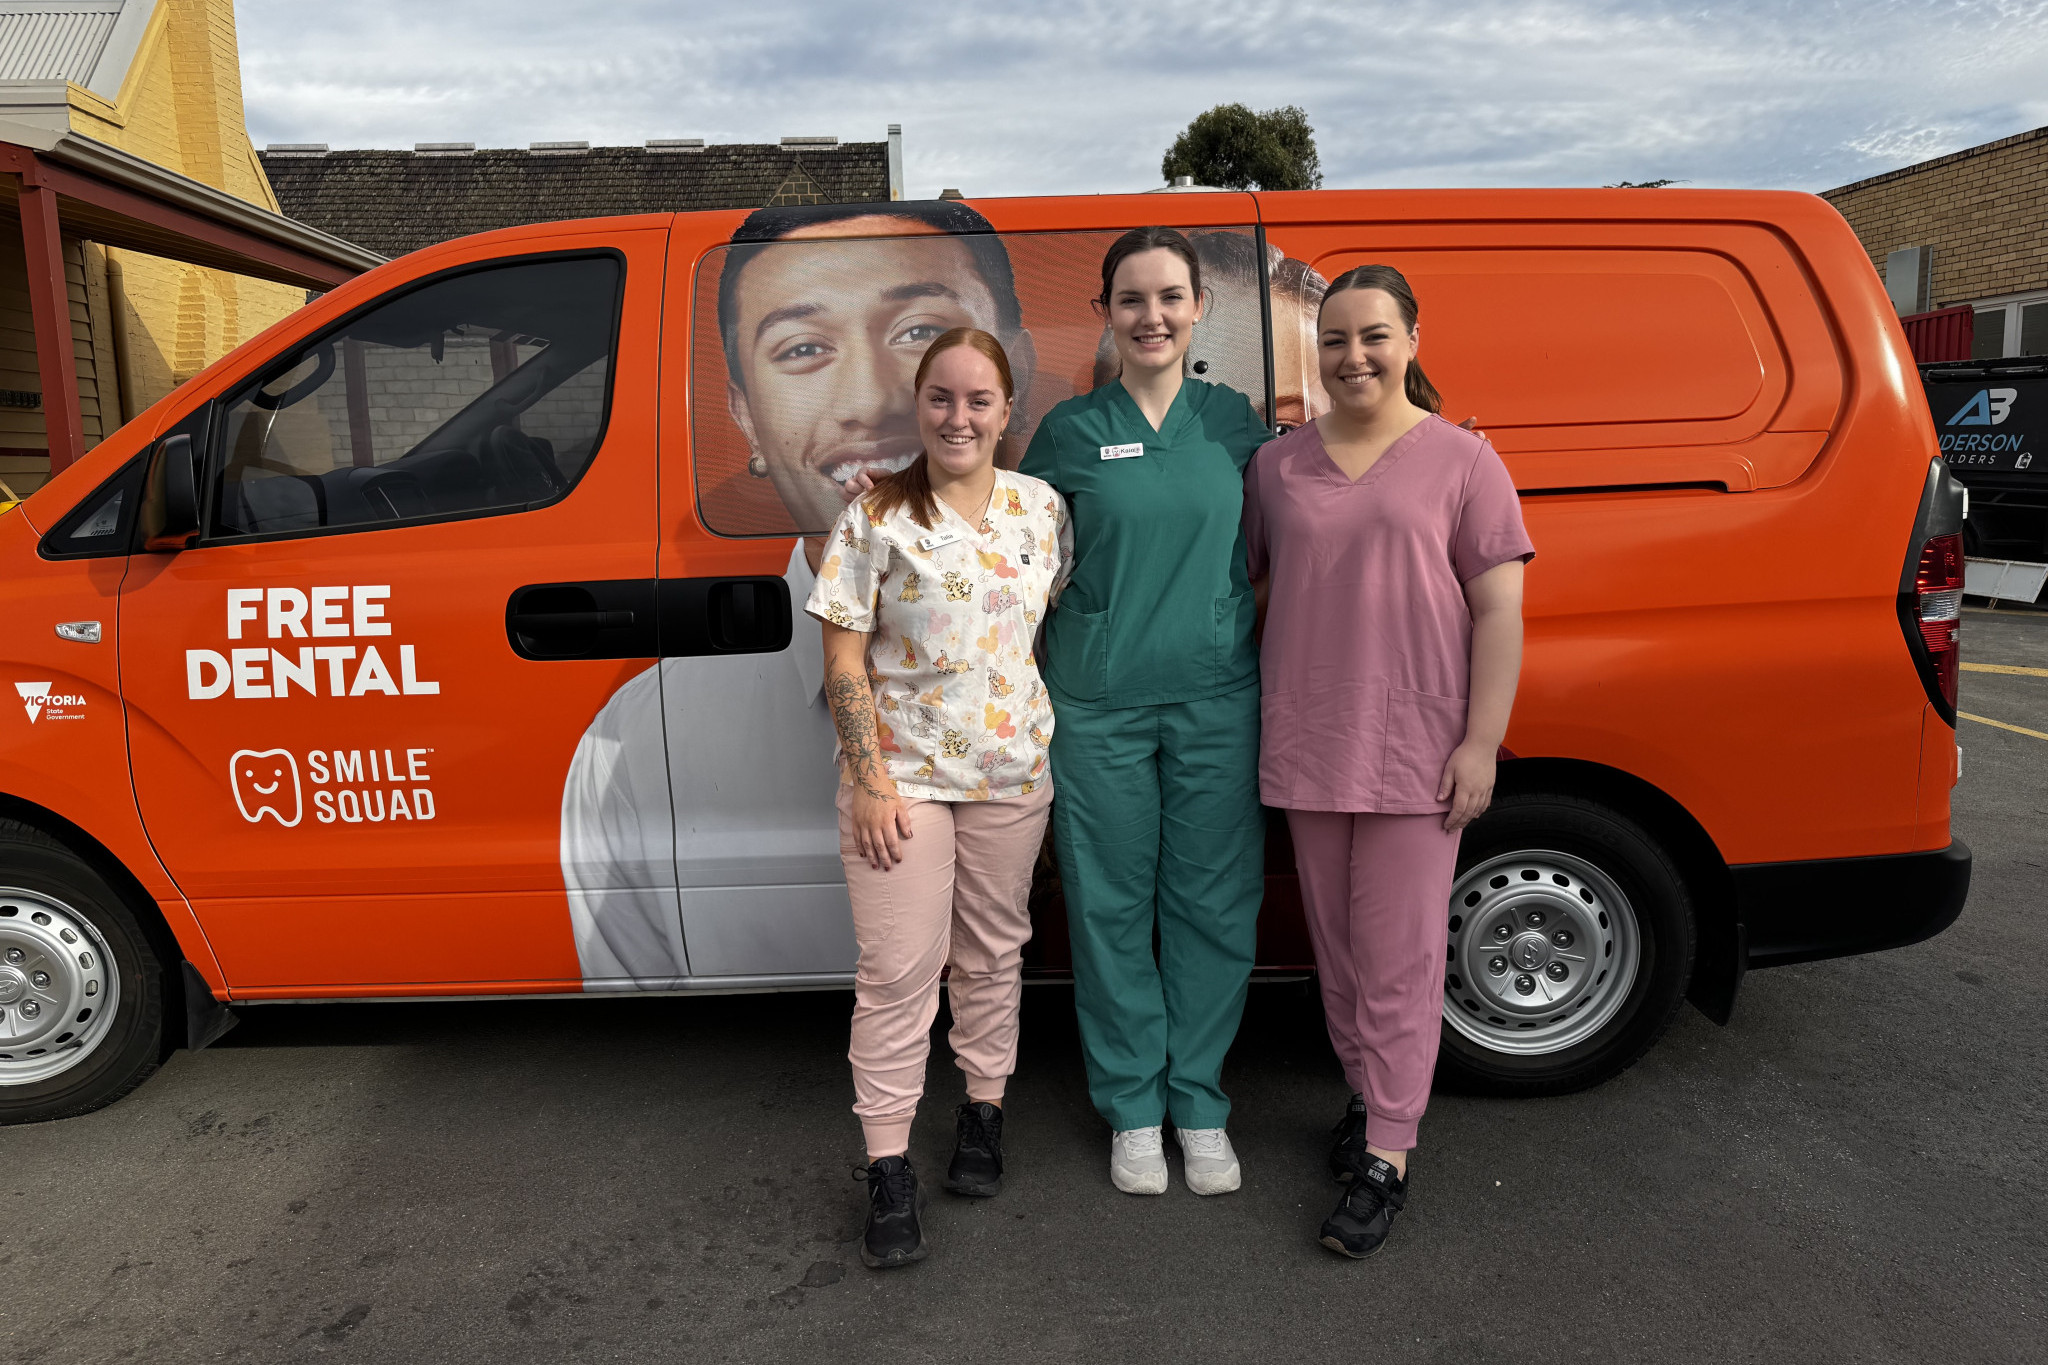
[1129, 452]
[935, 541]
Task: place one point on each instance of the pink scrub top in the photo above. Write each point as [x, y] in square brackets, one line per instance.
[1367, 655]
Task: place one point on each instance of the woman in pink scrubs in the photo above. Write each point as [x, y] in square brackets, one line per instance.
[1391, 545]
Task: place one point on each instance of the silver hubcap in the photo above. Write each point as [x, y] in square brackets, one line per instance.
[1543, 949]
[58, 987]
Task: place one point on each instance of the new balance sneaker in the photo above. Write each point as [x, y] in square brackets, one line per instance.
[1137, 1161]
[1210, 1164]
[977, 1168]
[1347, 1143]
[1365, 1215]
[895, 1233]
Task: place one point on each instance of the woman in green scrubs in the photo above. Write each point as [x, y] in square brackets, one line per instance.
[1150, 664]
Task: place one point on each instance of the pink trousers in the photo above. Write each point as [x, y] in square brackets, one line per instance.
[1376, 889]
[960, 897]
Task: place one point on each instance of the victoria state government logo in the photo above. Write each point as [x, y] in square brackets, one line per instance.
[42, 704]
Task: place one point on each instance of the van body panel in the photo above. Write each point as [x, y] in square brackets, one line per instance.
[1940, 761]
[1616, 318]
[399, 824]
[63, 746]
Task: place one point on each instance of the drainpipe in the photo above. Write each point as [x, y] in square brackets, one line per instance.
[895, 161]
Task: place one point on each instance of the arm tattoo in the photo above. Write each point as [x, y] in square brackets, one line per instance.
[853, 712]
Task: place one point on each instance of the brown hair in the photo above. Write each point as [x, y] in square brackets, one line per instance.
[1390, 281]
[912, 487]
[1149, 239]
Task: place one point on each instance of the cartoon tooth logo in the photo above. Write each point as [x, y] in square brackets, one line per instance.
[260, 778]
[33, 695]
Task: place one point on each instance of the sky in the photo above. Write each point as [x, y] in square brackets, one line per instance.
[1084, 96]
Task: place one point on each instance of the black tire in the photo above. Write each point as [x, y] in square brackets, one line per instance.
[132, 1043]
[1626, 853]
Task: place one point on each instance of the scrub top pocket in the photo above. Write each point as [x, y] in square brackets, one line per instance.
[1422, 730]
[1234, 617]
[1077, 648]
[1280, 740]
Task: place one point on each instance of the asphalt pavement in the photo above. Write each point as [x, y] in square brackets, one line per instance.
[1852, 1170]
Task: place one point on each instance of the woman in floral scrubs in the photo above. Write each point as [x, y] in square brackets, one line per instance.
[931, 592]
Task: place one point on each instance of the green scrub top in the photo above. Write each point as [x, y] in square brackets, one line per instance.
[1158, 609]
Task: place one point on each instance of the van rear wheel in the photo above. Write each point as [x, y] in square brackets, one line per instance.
[81, 991]
[1571, 943]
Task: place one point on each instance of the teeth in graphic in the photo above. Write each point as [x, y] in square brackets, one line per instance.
[840, 473]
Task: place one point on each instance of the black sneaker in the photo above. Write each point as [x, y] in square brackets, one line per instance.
[1347, 1143]
[977, 1168]
[1365, 1215]
[895, 1234]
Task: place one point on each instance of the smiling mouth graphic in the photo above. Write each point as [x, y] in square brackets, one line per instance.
[842, 465]
[258, 786]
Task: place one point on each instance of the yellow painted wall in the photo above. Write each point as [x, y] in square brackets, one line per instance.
[142, 324]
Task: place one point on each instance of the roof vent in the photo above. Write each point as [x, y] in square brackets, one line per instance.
[810, 142]
[558, 148]
[444, 148]
[295, 149]
[675, 144]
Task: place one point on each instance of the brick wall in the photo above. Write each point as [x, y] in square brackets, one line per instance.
[1984, 211]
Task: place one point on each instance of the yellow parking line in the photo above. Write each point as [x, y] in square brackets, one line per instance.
[2006, 668]
[2016, 729]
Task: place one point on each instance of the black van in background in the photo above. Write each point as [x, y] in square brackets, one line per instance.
[1992, 420]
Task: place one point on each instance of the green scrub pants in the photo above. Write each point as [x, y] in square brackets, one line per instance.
[1157, 824]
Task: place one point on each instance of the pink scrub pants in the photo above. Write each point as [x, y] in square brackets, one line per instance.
[1376, 889]
[960, 898]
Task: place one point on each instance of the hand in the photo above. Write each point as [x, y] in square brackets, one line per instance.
[880, 822]
[860, 485]
[1467, 784]
[1471, 424]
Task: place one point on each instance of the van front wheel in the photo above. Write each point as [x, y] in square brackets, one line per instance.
[1571, 943]
[81, 991]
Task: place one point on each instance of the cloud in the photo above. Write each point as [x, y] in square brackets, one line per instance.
[1083, 96]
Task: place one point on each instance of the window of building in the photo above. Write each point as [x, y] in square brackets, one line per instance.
[2011, 327]
[1988, 342]
[482, 391]
[2034, 329]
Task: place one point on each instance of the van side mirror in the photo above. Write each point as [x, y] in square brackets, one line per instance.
[171, 510]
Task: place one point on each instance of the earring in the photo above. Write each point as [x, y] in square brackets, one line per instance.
[757, 465]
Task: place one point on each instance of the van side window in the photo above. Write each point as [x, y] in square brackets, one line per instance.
[101, 524]
[812, 343]
[484, 391]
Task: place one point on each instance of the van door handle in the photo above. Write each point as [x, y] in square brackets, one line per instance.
[600, 619]
[543, 621]
[702, 616]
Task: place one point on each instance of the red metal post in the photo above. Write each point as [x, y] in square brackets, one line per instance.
[42, 244]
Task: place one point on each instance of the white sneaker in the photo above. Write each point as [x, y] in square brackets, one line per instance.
[1137, 1161]
[1211, 1164]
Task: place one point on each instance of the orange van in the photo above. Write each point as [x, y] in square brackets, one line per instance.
[441, 641]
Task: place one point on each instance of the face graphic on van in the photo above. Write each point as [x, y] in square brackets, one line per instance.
[828, 336]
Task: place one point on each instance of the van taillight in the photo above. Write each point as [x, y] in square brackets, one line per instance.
[1938, 582]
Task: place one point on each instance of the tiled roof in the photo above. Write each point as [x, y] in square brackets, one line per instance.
[395, 202]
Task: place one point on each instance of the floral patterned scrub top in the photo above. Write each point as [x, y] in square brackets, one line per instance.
[960, 709]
